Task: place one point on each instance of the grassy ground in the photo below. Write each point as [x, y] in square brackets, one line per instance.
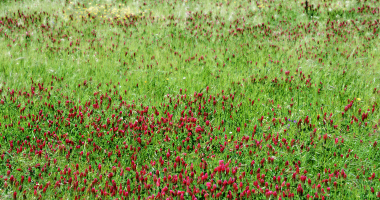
[169, 99]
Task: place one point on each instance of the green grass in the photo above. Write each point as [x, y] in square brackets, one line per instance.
[155, 61]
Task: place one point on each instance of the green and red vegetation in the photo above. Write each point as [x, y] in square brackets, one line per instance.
[183, 99]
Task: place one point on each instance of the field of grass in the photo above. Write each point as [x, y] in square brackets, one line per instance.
[184, 99]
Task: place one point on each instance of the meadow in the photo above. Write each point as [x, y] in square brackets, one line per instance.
[186, 99]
